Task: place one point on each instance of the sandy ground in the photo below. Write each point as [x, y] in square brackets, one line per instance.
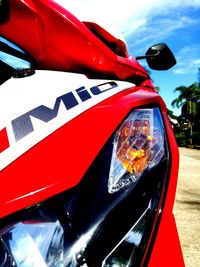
[187, 206]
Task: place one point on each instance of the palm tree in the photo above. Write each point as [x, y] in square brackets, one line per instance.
[188, 100]
[190, 93]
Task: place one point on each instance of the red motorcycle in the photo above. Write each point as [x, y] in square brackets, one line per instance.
[88, 158]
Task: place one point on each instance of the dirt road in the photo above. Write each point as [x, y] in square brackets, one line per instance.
[187, 206]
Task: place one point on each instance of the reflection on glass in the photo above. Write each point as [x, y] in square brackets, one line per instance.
[74, 256]
[36, 244]
[124, 253]
[14, 62]
[41, 244]
[10, 44]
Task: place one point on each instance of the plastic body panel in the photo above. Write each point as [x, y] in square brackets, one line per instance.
[48, 168]
[51, 34]
[166, 247]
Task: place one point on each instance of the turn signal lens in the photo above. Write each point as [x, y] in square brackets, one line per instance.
[138, 146]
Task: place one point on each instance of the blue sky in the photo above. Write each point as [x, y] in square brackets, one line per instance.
[147, 22]
[180, 29]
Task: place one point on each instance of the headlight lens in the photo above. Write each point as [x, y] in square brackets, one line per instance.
[138, 145]
[72, 228]
[33, 244]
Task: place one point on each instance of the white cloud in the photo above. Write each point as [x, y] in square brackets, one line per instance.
[196, 62]
[188, 60]
[163, 28]
[181, 70]
[145, 22]
[121, 12]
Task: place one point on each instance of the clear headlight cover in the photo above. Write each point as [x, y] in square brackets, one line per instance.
[32, 244]
[138, 146]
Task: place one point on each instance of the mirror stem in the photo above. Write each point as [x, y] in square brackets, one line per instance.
[147, 56]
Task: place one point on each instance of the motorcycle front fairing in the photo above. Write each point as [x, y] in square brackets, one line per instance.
[88, 161]
[59, 41]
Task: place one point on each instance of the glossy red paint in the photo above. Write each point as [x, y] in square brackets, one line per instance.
[55, 170]
[48, 168]
[51, 34]
[166, 249]
[4, 144]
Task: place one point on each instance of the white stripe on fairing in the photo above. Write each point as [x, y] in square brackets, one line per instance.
[18, 96]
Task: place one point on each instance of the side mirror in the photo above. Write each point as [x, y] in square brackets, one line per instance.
[159, 57]
[4, 11]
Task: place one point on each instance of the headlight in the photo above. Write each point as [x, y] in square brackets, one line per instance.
[107, 218]
[29, 243]
[138, 146]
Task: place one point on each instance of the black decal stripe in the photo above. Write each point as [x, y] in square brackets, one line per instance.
[22, 126]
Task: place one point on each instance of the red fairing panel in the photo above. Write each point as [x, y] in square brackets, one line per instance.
[51, 34]
[166, 248]
[37, 166]
[48, 168]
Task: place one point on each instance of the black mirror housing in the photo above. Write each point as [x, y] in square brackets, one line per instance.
[160, 57]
